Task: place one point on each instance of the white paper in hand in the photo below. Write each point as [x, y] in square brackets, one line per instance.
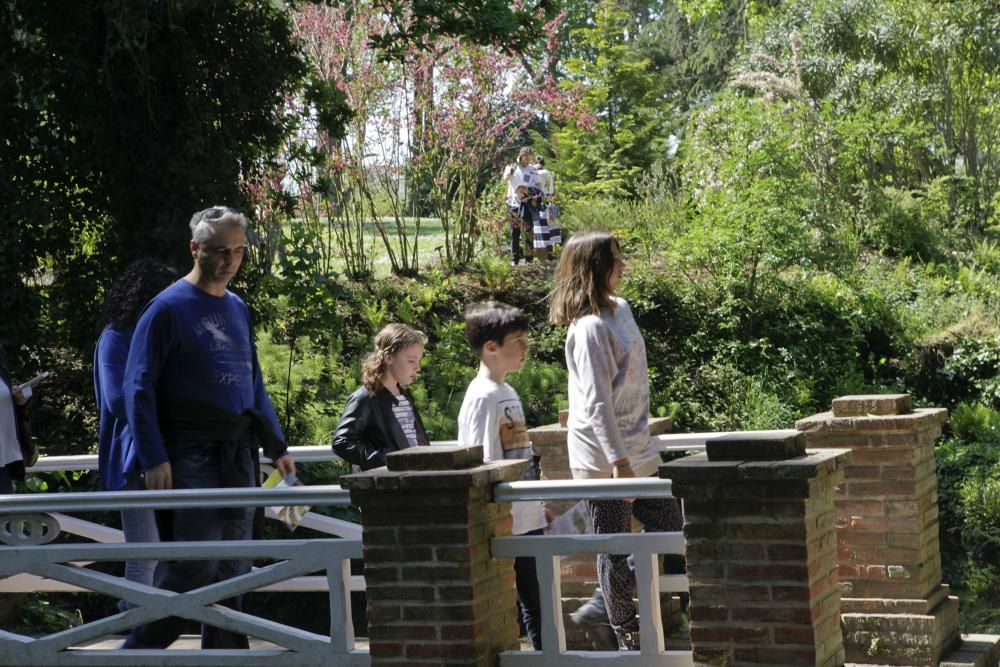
[290, 514]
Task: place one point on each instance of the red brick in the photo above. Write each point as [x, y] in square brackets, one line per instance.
[790, 593]
[466, 631]
[741, 635]
[727, 592]
[786, 552]
[882, 489]
[862, 472]
[766, 531]
[699, 613]
[900, 455]
[769, 573]
[383, 612]
[444, 651]
[863, 507]
[380, 649]
[848, 538]
[774, 656]
[439, 571]
[742, 551]
[772, 614]
[406, 631]
[402, 593]
[458, 612]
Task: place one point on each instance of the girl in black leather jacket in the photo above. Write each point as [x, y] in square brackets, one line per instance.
[380, 416]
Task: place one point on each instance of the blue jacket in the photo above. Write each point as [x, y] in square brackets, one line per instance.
[115, 453]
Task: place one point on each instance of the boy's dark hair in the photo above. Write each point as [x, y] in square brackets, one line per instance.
[492, 321]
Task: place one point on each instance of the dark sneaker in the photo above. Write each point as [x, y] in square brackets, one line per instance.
[628, 640]
[592, 617]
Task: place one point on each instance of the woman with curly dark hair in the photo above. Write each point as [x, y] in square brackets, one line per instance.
[124, 302]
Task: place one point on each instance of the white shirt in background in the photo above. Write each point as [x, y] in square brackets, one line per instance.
[10, 450]
[517, 176]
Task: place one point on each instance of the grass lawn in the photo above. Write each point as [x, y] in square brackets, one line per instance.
[431, 238]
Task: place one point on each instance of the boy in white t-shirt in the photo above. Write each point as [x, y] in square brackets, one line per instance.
[492, 416]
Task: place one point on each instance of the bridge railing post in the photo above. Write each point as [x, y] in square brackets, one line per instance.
[435, 593]
[896, 610]
[761, 550]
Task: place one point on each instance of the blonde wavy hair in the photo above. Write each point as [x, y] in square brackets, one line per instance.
[390, 340]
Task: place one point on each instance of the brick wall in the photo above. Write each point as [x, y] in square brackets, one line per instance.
[436, 596]
[895, 608]
[761, 550]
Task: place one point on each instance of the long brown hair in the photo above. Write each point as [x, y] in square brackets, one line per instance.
[581, 280]
[390, 340]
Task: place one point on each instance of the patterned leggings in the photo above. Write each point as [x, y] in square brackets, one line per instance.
[615, 572]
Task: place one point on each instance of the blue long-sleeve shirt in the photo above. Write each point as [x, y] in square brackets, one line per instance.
[191, 344]
[115, 454]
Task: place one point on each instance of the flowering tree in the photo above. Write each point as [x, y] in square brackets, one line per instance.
[484, 99]
[372, 130]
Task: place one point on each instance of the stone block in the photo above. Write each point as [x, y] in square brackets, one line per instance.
[483, 476]
[756, 446]
[872, 431]
[974, 651]
[874, 404]
[438, 457]
[914, 640]
[701, 478]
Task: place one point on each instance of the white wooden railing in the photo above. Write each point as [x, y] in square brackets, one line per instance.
[27, 528]
[547, 550]
[28, 523]
[26, 583]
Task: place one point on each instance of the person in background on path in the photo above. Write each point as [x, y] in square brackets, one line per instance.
[608, 413]
[198, 412]
[520, 175]
[380, 417]
[17, 451]
[492, 416]
[549, 210]
[116, 460]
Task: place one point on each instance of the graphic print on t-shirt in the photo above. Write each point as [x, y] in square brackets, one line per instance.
[229, 344]
[513, 429]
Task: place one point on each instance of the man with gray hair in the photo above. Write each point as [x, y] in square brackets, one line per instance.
[198, 411]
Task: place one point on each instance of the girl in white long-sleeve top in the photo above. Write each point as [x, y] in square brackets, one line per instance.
[608, 411]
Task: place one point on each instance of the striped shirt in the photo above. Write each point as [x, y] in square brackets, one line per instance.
[403, 411]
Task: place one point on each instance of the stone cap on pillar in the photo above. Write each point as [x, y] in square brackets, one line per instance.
[436, 467]
[756, 446]
[870, 414]
[875, 405]
[436, 457]
[697, 468]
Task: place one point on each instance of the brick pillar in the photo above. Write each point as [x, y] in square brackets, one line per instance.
[761, 550]
[895, 608]
[579, 573]
[435, 594]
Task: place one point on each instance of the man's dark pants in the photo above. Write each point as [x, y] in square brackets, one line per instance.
[198, 467]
